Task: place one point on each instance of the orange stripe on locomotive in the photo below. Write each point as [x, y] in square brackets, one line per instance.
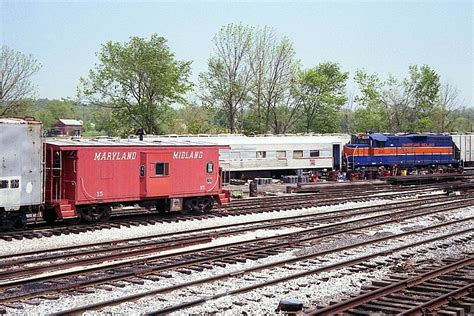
[393, 151]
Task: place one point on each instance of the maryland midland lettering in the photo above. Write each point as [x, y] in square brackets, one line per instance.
[131, 155]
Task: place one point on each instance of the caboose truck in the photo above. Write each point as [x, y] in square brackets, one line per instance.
[409, 151]
[85, 179]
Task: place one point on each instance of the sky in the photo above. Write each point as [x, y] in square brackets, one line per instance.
[379, 36]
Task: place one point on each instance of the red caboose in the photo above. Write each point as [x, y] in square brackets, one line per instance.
[85, 179]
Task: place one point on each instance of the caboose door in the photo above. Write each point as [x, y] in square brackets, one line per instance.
[69, 181]
[158, 178]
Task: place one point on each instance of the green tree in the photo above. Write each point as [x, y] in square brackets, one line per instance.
[198, 119]
[371, 113]
[405, 105]
[424, 85]
[321, 91]
[139, 80]
[53, 110]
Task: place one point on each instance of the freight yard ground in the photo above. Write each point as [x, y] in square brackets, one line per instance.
[247, 262]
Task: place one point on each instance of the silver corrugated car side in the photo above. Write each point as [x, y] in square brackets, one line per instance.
[21, 157]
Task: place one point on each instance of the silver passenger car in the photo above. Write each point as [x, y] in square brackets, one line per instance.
[273, 155]
[21, 156]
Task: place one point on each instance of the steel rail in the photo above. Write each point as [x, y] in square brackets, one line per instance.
[392, 288]
[66, 229]
[439, 301]
[346, 263]
[53, 255]
[30, 278]
[171, 266]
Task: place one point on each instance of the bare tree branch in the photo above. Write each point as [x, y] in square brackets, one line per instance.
[16, 70]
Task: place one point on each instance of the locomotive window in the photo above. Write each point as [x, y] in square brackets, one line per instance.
[298, 154]
[210, 167]
[314, 153]
[3, 184]
[261, 154]
[14, 184]
[161, 169]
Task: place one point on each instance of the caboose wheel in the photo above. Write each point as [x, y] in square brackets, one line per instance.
[106, 212]
[94, 213]
[163, 206]
[199, 204]
[190, 205]
[209, 204]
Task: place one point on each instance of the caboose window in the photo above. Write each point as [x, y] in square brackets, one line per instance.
[3, 184]
[314, 153]
[14, 184]
[210, 167]
[161, 169]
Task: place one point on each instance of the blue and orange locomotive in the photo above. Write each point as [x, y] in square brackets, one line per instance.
[409, 151]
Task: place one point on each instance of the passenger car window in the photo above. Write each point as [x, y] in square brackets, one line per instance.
[298, 154]
[261, 154]
[14, 184]
[161, 169]
[314, 153]
[3, 184]
[281, 154]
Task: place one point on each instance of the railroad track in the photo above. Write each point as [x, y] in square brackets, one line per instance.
[446, 289]
[130, 218]
[202, 235]
[156, 268]
[313, 265]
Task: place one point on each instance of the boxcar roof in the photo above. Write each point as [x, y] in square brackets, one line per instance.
[112, 142]
[7, 120]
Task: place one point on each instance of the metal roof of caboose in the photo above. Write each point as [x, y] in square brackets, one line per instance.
[117, 142]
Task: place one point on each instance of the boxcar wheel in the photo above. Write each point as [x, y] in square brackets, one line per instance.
[50, 216]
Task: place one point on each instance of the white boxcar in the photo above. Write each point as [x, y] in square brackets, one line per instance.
[252, 154]
[465, 144]
[21, 159]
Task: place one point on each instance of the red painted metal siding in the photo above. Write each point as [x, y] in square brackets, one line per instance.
[100, 174]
